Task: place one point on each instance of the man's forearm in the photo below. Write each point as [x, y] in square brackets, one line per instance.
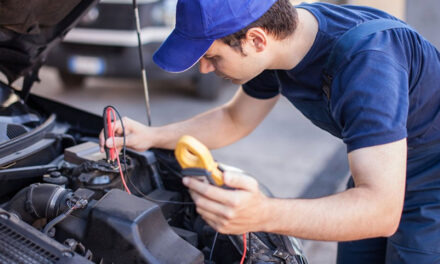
[214, 128]
[218, 127]
[350, 215]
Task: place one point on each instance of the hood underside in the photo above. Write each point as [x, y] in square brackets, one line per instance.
[30, 28]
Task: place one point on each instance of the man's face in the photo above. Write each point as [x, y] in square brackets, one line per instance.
[230, 63]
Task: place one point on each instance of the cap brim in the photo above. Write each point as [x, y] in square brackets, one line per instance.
[178, 53]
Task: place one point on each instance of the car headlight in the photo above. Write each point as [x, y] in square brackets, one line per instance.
[90, 17]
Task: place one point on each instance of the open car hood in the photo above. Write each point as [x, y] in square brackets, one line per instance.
[28, 31]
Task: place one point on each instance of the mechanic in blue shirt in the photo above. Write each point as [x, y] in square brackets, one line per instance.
[382, 99]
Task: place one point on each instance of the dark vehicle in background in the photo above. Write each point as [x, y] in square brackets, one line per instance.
[104, 43]
[62, 201]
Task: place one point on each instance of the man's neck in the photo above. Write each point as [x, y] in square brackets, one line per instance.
[290, 51]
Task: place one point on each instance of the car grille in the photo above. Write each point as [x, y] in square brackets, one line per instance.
[15, 248]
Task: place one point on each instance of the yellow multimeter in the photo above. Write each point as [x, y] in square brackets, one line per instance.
[191, 153]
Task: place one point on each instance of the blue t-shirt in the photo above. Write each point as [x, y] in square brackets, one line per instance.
[387, 90]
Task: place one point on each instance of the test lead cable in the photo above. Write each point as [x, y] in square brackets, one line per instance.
[111, 117]
[141, 60]
[108, 113]
[244, 249]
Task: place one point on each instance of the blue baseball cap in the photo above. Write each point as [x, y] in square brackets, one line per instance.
[199, 23]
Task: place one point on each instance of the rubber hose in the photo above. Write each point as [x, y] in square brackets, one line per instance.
[39, 201]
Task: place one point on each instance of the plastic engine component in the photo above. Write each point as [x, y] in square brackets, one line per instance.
[137, 233]
[88, 151]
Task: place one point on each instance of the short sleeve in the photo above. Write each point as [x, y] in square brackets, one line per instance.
[370, 100]
[264, 86]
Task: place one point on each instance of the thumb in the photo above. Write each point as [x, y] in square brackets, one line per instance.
[239, 181]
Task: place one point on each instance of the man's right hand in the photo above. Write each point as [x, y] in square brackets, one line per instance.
[137, 136]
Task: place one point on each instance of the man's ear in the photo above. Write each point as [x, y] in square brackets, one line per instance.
[257, 38]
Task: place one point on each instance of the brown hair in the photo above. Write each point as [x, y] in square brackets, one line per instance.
[280, 21]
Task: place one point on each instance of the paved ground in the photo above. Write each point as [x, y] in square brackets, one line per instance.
[286, 152]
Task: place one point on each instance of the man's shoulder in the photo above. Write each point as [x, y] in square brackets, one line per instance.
[334, 20]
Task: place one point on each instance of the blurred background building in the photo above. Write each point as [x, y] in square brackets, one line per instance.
[422, 15]
[104, 43]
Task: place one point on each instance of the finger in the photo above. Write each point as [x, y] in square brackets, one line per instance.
[239, 181]
[209, 217]
[118, 142]
[210, 206]
[209, 191]
[218, 224]
[117, 128]
[101, 141]
[124, 124]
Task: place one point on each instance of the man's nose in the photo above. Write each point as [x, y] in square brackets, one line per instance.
[205, 66]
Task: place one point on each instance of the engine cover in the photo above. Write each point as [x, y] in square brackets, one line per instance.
[127, 229]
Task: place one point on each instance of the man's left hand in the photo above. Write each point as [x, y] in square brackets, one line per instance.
[238, 211]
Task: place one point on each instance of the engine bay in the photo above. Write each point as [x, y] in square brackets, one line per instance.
[62, 201]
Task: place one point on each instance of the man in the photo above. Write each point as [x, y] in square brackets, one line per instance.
[382, 101]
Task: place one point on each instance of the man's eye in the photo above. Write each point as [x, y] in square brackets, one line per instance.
[211, 58]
